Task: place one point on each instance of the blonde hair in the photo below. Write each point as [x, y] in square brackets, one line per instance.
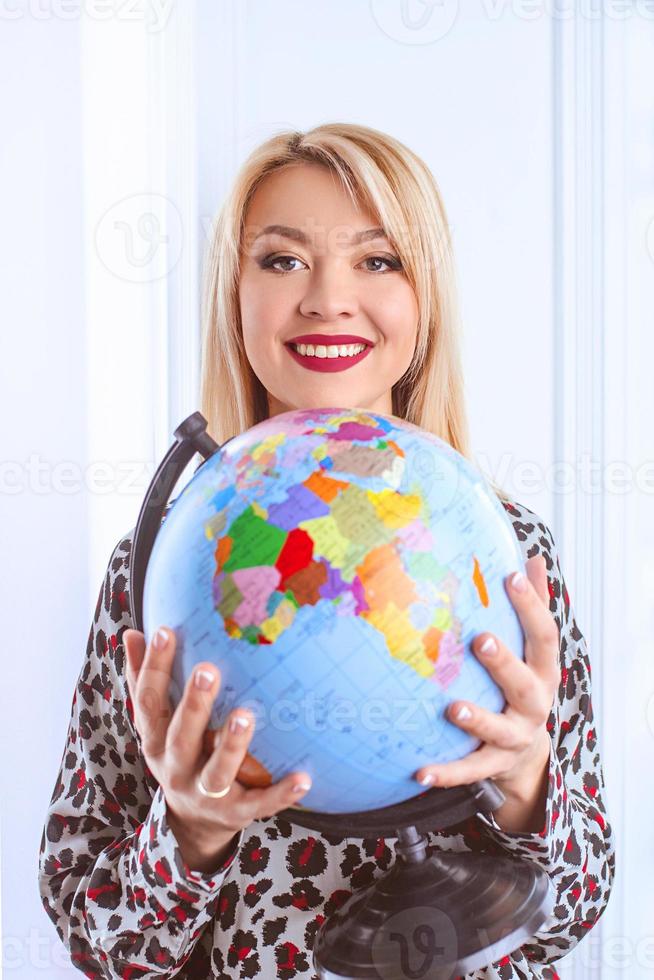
[395, 184]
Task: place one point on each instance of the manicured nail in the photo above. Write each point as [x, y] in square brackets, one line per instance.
[238, 723]
[203, 679]
[301, 787]
[160, 639]
[463, 713]
[427, 780]
[488, 647]
[518, 582]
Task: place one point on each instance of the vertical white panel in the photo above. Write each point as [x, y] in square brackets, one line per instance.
[173, 101]
[605, 403]
[122, 236]
[142, 253]
[580, 352]
[627, 606]
[174, 162]
[580, 319]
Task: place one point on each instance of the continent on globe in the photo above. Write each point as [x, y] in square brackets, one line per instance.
[356, 550]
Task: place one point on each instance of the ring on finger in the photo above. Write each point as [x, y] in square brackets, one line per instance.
[213, 794]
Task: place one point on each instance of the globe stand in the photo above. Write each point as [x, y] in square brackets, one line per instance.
[434, 915]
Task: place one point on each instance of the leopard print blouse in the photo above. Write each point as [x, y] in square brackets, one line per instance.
[125, 904]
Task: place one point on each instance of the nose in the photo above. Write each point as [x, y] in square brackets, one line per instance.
[329, 296]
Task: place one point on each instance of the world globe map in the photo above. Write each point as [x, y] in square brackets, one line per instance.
[336, 564]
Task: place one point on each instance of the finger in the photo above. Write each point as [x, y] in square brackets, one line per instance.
[251, 773]
[523, 688]
[230, 747]
[186, 731]
[258, 804]
[504, 731]
[152, 704]
[537, 574]
[230, 758]
[484, 763]
[539, 626]
[134, 646]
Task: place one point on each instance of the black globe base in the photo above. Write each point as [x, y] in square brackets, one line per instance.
[433, 917]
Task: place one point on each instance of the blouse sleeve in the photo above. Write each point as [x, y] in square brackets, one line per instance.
[111, 875]
[576, 844]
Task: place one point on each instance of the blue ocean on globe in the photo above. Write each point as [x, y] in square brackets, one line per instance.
[336, 564]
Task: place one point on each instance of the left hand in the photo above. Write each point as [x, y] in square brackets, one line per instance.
[516, 742]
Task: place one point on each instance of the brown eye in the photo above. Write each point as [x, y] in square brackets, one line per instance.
[271, 261]
[393, 264]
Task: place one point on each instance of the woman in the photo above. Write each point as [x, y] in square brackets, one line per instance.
[155, 860]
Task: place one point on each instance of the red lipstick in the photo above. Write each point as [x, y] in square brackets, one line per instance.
[327, 339]
[327, 364]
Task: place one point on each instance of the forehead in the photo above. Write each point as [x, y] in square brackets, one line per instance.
[306, 195]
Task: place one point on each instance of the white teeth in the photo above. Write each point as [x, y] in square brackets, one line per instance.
[322, 350]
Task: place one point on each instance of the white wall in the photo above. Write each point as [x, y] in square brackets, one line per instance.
[45, 532]
[150, 115]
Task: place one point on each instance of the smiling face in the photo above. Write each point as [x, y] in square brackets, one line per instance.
[322, 279]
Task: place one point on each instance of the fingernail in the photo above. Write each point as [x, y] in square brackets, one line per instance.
[426, 780]
[463, 713]
[203, 679]
[518, 582]
[238, 723]
[301, 787]
[160, 639]
[489, 646]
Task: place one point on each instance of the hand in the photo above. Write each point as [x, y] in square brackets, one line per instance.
[177, 750]
[517, 743]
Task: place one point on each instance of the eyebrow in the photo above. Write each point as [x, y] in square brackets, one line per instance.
[298, 236]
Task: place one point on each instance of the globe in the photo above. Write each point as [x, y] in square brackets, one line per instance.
[336, 564]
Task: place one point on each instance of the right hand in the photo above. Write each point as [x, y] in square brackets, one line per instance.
[175, 749]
